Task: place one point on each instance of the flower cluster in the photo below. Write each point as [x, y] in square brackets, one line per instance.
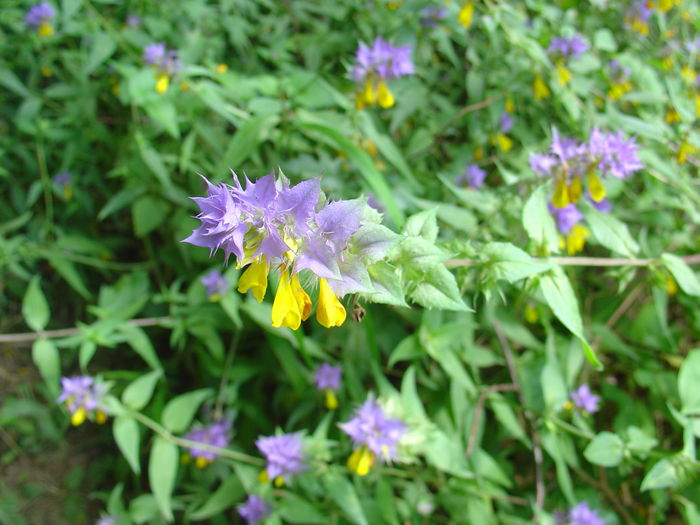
[216, 284]
[327, 380]
[254, 510]
[374, 66]
[39, 17]
[84, 398]
[569, 163]
[374, 434]
[272, 225]
[165, 61]
[638, 17]
[563, 49]
[586, 400]
[217, 434]
[581, 514]
[620, 83]
[285, 457]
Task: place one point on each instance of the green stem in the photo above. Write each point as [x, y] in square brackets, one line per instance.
[46, 185]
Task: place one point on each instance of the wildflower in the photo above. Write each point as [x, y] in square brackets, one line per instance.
[563, 49]
[582, 514]
[133, 20]
[431, 15]
[217, 434]
[684, 150]
[327, 380]
[672, 116]
[374, 66]
[540, 89]
[374, 435]
[472, 177]
[510, 105]
[612, 154]
[506, 122]
[165, 61]
[619, 82]
[64, 181]
[221, 68]
[504, 142]
[573, 235]
[217, 285]
[667, 5]
[46, 71]
[638, 17]
[254, 510]
[466, 14]
[84, 398]
[425, 507]
[40, 17]
[107, 520]
[586, 400]
[284, 455]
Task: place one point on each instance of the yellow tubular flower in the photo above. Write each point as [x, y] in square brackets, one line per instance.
[595, 187]
[255, 277]
[505, 143]
[368, 93]
[100, 417]
[301, 297]
[478, 153]
[263, 477]
[331, 400]
[684, 150]
[563, 74]
[46, 71]
[640, 26]
[45, 30]
[201, 462]
[575, 190]
[688, 74]
[667, 63]
[561, 194]
[361, 461]
[279, 481]
[221, 68]
[162, 82]
[672, 116]
[510, 105]
[540, 88]
[285, 309]
[466, 14]
[384, 97]
[329, 312]
[576, 239]
[78, 417]
[671, 286]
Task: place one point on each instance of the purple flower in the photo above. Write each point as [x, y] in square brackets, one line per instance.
[542, 163]
[386, 60]
[157, 55]
[284, 455]
[217, 434]
[328, 376]
[133, 20]
[618, 71]
[371, 428]
[83, 397]
[107, 520]
[63, 179]
[431, 15]
[604, 205]
[568, 47]
[582, 514]
[585, 399]
[473, 177]
[640, 11]
[254, 510]
[216, 284]
[612, 154]
[566, 218]
[506, 122]
[39, 14]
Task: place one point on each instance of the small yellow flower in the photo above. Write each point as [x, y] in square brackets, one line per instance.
[285, 309]
[184, 86]
[697, 105]
[595, 187]
[201, 462]
[575, 190]
[540, 88]
[561, 199]
[684, 150]
[618, 89]
[384, 97]
[688, 74]
[255, 278]
[667, 63]
[576, 239]
[45, 30]
[222, 68]
[162, 82]
[505, 143]
[531, 315]
[563, 74]
[361, 461]
[329, 312]
[671, 286]
[687, 16]
[100, 417]
[466, 14]
[394, 5]
[666, 5]
[331, 399]
[78, 417]
[510, 105]
[640, 26]
[672, 116]
[46, 71]
[478, 153]
[568, 405]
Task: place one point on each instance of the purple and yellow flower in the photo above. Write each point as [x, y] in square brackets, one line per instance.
[133, 20]
[285, 457]
[216, 284]
[39, 17]
[254, 510]
[638, 17]
[217, 434]
[582, 514]
[64, 181]
[586, 400]
[327, 379]
[620, 83]
[374, 435]
[572, 234]
[272, 225]
[84, 399]
[562, 49]
[466, 14]
[539, 88]
[164, 61]
[473, 177]
[374, 66]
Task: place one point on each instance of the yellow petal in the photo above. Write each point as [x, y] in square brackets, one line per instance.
[384, 97]
[575, 190]
[162, 82]
[563, 74]
[368, 93]
[201, 462]
[540, 88]
[329, 312]
[671, 286]
[595, 187]
[466, 14]
[505, 143]
[331, 400]
[568, 405]
[510, 105]
[576, 239]
[361, 461]
[561, 194]
[45, 30]
[221, 68]
[697, 105]
[263, 477]
[279, 481]
[255, 278]
[285, 309]
[302, 298]
[78, 417]
[46, 71]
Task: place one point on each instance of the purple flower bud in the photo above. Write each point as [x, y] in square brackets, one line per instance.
[254, 510]
[62, 179]
[82, 395]
[473, 177]
[506, 122]
[582, 514]
[566, 218]
[373, 429]
[284, 455]
[328, 376]
[133, 20]
[38, 14]
[568, 47]
[386, 60]
[613, 154]
[586, 400]
[215, 283]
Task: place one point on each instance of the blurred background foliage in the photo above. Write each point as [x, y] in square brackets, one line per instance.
[264, 85]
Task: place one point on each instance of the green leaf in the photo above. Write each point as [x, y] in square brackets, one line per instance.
[689, 383]
[610, 232]
[374, 241]
[342, 492]
[148, 213]
[47, 360]
[297, 510]
[508, 262]
[606, 449]
[604, 40]
[71, 275]
[179, 412]
[163, 111]
[228, 493]
[386, 282]
[141, 344]
[419, 254]
[423, 224]
[87, 351]
[13, 83]
[640, 441]
[162, 470]
[245, 141]
[101, 48]
[437, 288]
[139, 392]
[538, 222]
[126, 434]
[663, 474]
[446, 454]
[682, 273]
[35, 308]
